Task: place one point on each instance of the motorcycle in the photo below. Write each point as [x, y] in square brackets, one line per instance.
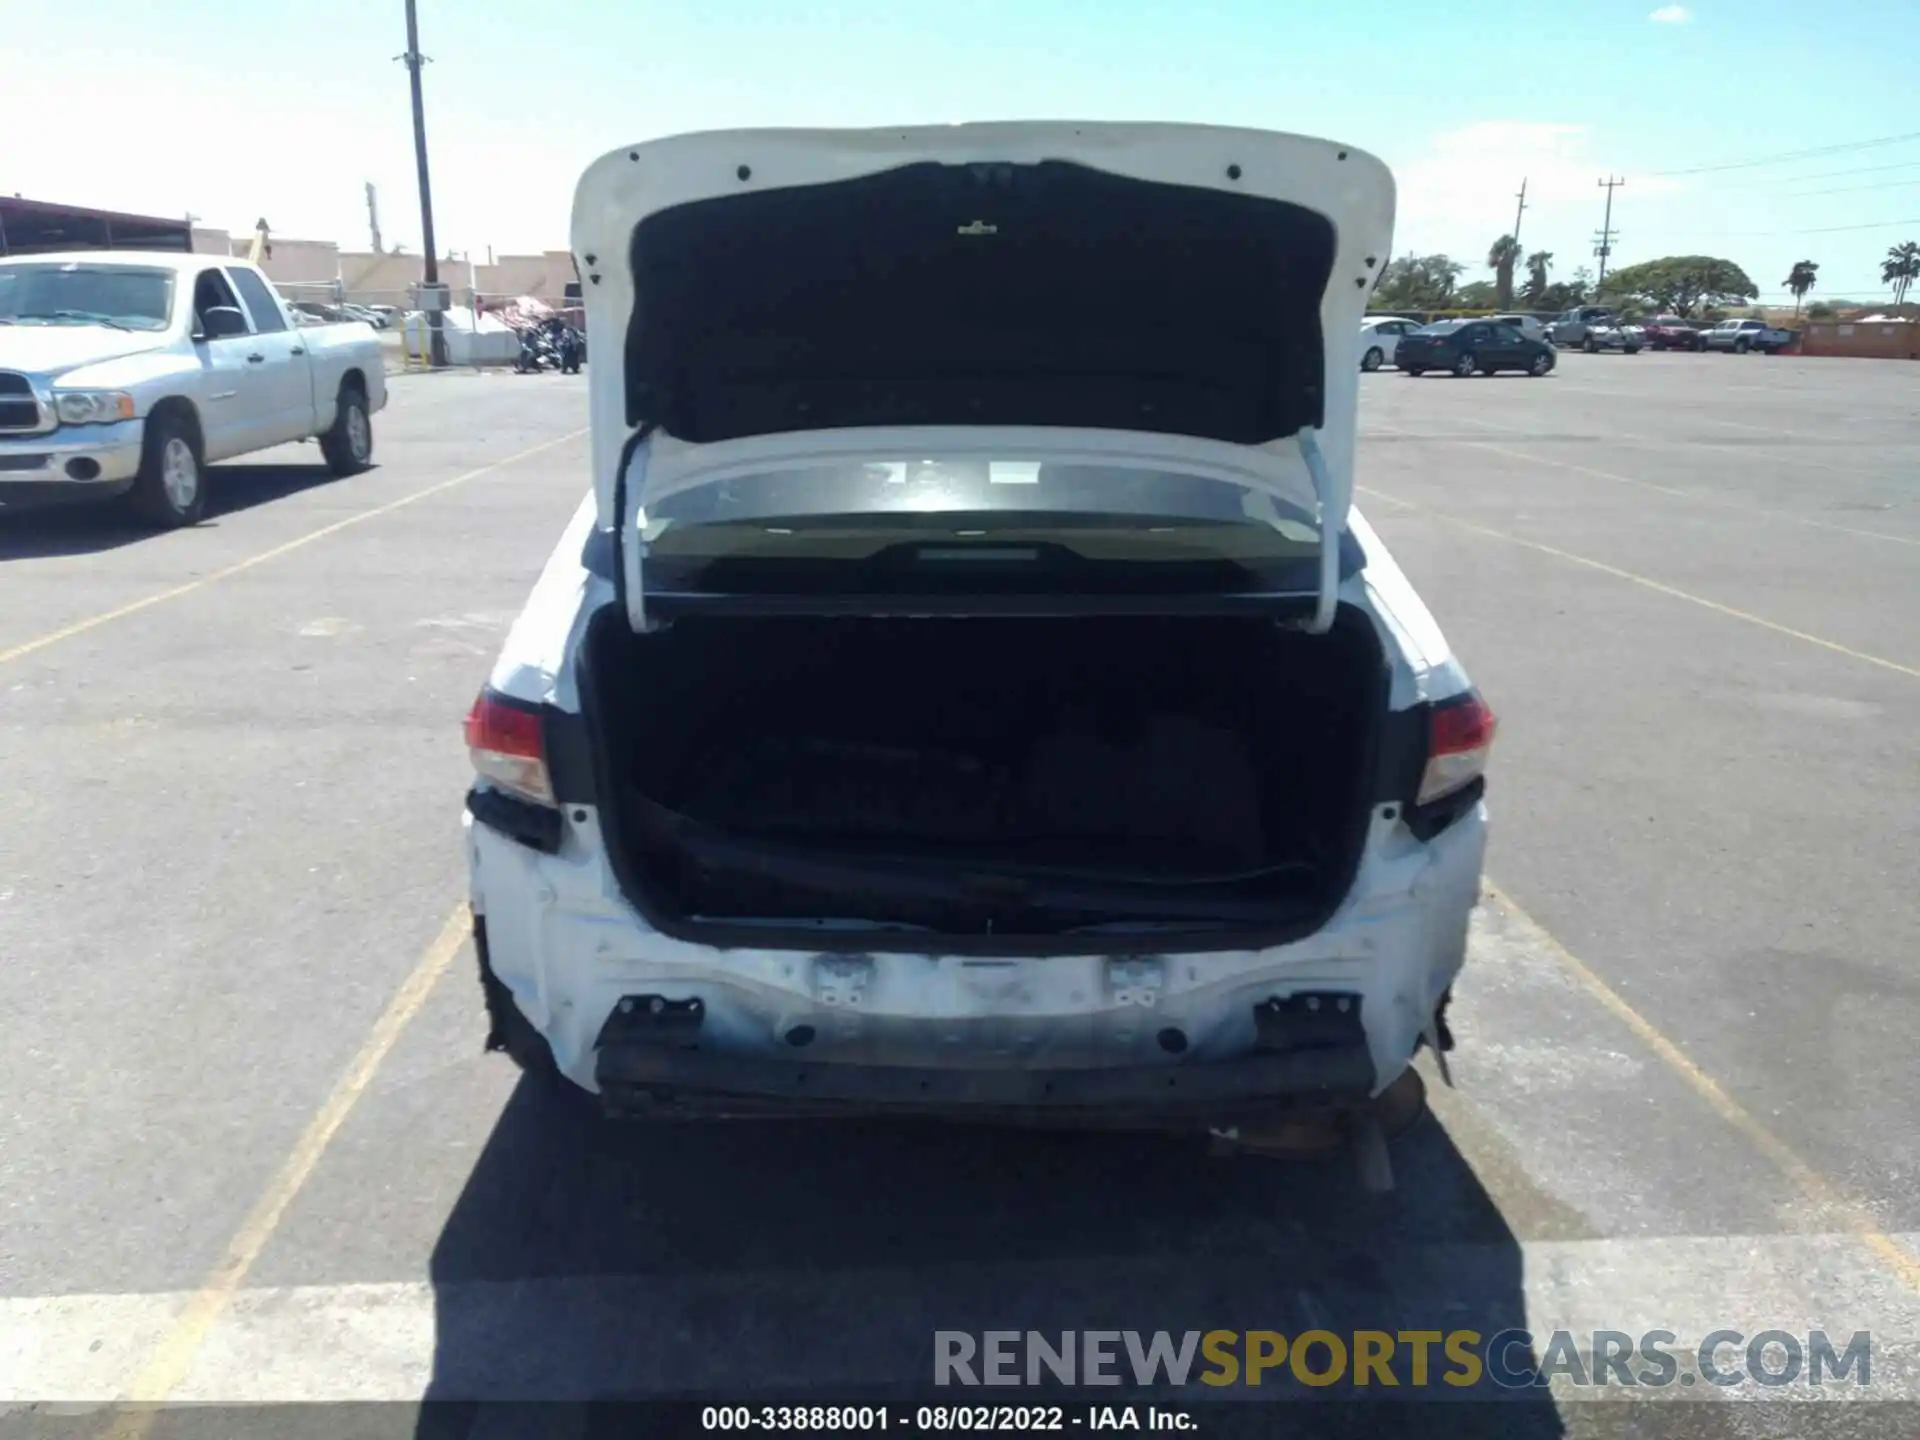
[570, 348]
[551, 346]
[537, 352]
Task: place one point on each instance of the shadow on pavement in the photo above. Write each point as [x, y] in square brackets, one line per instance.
[42, 530]
[809, 1262]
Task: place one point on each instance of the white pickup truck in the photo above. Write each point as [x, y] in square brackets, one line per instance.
[127, 373]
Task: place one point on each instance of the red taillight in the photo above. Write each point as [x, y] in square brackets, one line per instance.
[1459, 737]
[508, 747]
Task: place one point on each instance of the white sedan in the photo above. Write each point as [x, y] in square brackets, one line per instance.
[896, 732]
[1380, 337]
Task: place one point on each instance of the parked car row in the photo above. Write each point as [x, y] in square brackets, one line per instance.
[319, 312]
[1590, 328]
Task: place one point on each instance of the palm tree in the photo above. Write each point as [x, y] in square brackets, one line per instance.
[1501, 260]
[1901, 269]
[1800, 280]
[1538, 264]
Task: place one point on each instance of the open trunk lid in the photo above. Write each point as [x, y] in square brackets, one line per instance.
[1008, 360]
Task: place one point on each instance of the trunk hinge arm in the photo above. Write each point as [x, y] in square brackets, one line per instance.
[631, 529]
[1329, 594]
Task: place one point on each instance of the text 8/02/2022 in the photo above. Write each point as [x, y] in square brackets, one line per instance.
[941, 1419]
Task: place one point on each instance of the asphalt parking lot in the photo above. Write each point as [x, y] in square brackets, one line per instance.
[251, 1151]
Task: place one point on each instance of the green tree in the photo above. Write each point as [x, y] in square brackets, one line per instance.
[1501, 259]
[1559, 296]
[1477, 295]
[1901, 269]
[1800, 280]
[1418, 282]
[1680, 284]
[1538, 264]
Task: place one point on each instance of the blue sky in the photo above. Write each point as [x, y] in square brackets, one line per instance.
[206, 106]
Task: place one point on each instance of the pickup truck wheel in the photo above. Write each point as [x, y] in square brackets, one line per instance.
[170, 490]
[348, 443]
[1371, 361]
[1590, 345]
[1465, 365]
[1741, 346]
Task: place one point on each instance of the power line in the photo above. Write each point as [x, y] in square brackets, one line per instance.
[1856, 170]
[1848, 189]
[1785, 156]
[1823, 230]
[1746, 185]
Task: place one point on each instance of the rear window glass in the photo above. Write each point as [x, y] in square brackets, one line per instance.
[933, 521]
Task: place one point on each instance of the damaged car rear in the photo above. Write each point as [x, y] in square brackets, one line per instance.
[968, 688]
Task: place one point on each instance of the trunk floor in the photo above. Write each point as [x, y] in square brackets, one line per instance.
[1180, 793]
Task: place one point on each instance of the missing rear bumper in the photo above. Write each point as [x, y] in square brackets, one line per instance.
[650, 1064]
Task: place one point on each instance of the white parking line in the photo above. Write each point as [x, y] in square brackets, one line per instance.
[579, 1337]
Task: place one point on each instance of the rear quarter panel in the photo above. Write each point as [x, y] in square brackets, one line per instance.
[1423, 664]
[333, 351]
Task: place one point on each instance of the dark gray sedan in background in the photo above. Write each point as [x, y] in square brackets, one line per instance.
[1472, 347]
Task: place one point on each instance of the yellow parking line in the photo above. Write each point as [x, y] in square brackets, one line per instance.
[93, 622]
[1822, 1192]
[1605, 569]
[173, 1356]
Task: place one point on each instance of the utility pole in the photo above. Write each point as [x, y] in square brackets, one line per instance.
[1519, 212]
[373, 218]
[1603, 246]
[431, 296]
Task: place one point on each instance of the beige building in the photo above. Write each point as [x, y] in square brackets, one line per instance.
[376, 278]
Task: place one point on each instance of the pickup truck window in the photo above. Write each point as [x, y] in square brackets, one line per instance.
[261, 305]
[211, 291]
[133, 297]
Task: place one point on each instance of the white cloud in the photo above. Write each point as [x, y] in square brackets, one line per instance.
[1458, 194]
[1671, 15]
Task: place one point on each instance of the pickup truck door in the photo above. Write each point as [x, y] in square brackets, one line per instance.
[230, 395]
[285, 380]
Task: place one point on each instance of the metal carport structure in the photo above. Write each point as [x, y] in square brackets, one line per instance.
[29, 227]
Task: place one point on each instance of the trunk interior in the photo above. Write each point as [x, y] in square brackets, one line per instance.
[986, 777]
